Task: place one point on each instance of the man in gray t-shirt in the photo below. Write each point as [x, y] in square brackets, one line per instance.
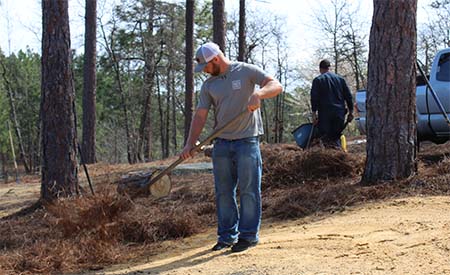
[229, 93]
[236, 155]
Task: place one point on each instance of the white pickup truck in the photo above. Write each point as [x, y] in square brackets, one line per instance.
[432, 125]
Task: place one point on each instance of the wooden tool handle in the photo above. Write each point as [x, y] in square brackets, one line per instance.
[197, 147]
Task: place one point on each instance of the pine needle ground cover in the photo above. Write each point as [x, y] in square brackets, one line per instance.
[91, 232]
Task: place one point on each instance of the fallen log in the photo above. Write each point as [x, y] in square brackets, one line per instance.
[135, 184]
[138, 185]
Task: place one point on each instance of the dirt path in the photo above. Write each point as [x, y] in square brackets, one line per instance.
[15, 196]
[402, 236]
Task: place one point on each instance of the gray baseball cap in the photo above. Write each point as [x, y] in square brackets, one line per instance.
[204, 54]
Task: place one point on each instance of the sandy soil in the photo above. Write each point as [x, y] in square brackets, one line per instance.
[401, 236]
[16, 196]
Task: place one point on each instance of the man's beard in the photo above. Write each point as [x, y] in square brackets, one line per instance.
[215, 70]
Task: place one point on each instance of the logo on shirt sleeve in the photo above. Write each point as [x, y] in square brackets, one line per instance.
[236, 84]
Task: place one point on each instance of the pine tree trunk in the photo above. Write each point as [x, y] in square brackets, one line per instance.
[59, 158]
[189, 72]
[116, 68]
[4, 167]
[265, 120]
[174, 116]
[130, 151]
[161, 117]
[116, 151]
[242, 44]
[31, 144]
[89, 82]
[357, 71]
[283, 106]
[148, 51]
[279, 101]
[276, 120]
[391, 102]
[144, 143]
[219, 22]
[145, 128]
[167, 112]
[171, 90]
[16, 169]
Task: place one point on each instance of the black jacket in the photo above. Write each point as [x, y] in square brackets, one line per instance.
[329, 93]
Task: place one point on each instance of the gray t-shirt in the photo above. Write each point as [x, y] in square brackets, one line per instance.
[229, 93]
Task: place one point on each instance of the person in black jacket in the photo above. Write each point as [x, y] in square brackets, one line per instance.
[331, 100]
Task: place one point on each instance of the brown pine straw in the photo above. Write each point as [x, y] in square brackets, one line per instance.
[84, 233]
[289, 165]
[88, 233]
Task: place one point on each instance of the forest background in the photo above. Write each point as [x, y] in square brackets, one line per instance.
[127, 32]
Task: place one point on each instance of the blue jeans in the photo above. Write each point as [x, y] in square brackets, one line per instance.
[237, 162]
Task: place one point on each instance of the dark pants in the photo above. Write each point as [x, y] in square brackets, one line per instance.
[331, 125]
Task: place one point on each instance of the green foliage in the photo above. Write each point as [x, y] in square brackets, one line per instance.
[23, 75]
[4, 117]
[77, 70]
[148, 43]
[203, 22]
[4, 111]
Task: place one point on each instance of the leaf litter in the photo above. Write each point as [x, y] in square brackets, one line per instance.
[91, 232]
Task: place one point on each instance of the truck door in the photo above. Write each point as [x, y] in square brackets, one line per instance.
[440, 81]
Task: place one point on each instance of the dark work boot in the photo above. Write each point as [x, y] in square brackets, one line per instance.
[220, 245]
[242, 245]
